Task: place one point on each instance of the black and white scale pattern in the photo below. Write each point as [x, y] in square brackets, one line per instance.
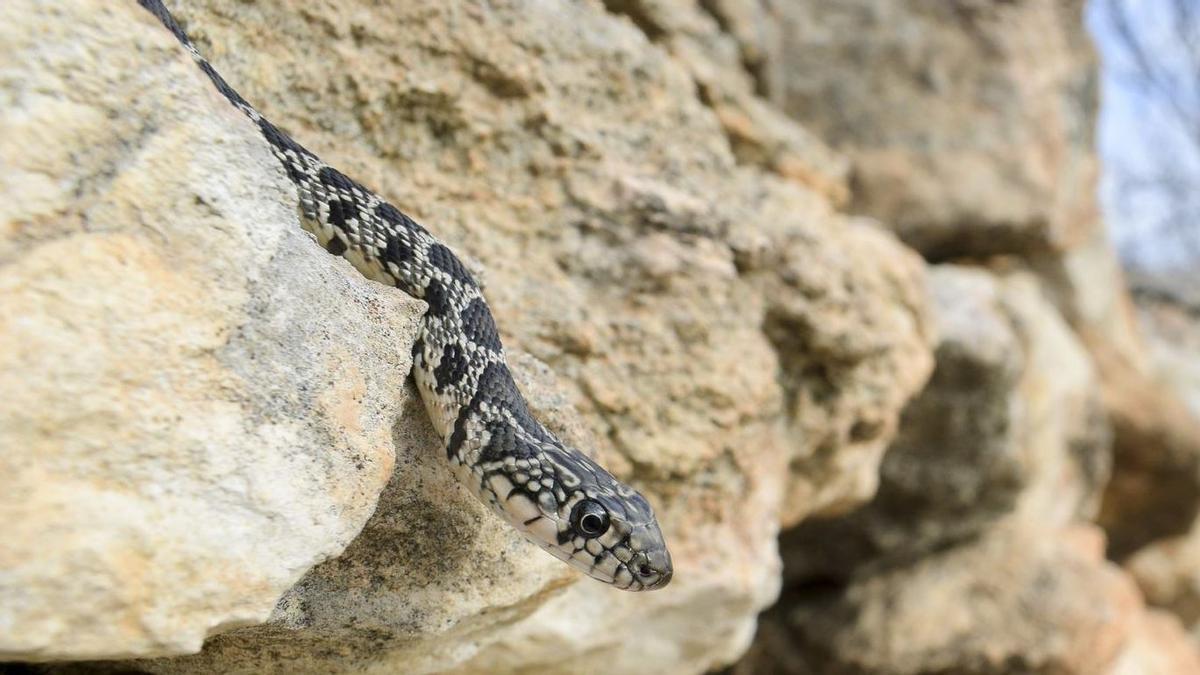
[554, 495]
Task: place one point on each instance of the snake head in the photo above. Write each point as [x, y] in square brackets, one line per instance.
[571, 507]
[615, 539]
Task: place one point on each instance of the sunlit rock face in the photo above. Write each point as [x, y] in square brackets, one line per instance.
[214, 448]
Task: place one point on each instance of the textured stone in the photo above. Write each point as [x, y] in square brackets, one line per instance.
[968, 126]
[1009, 422]
[1020, 599]
[969, 129]
[718, 335]
[968, 123]
[826, 338]
[198, 402]
[726, 61]
[1155, 490]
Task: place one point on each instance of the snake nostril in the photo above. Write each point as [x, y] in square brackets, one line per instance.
[645, 570]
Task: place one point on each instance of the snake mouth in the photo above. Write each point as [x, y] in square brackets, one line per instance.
[656, 580]
[651, 571]
[642, 573]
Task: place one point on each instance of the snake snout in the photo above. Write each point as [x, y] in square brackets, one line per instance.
[653, 569]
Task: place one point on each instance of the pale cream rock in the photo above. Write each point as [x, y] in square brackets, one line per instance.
[197, 401]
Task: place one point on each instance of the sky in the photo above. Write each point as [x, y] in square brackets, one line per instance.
[1137, 135]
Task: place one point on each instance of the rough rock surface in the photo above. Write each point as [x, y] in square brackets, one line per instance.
[725, 57]
[968, 127]
[968, 123]
[1155, 489]
[1168, 572]
[1157, 645]
[1009, 422]
[718, 334]
[972, 557]
[1017, 600]
[197, 401]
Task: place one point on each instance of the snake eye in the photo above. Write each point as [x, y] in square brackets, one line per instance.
[589, 519]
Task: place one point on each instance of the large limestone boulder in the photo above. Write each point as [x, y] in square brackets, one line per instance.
[717, 334]
[197, 401]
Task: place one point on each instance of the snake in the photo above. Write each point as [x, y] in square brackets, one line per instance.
[551, 493]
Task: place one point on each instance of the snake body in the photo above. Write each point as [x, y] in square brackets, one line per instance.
[551, 493]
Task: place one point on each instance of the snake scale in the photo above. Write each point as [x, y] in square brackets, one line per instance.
[552, 494]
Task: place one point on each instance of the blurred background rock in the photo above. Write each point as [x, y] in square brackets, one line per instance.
[835, 283]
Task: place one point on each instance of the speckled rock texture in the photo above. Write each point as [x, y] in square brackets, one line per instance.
[725, 56]
[198, 404]
[709, 325]
[975, 555]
